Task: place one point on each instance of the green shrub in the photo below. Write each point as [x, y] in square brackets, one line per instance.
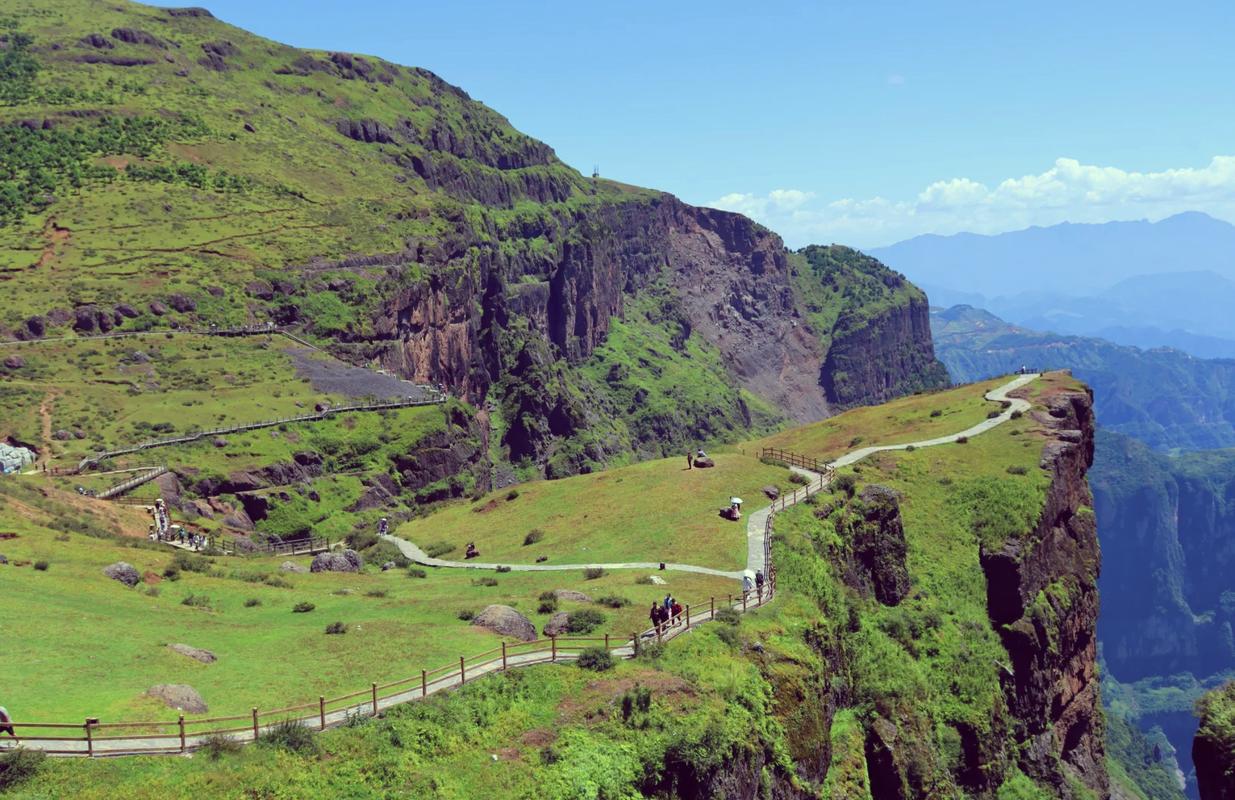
[597, 659]
[584, 621]
[546, 607]
[18, 766]
[362, 540]
[962, 440]
[613, 601]
[41, 566]
[729, 636]
[855, 441]
[190, 562]
[485, 581]
[592, 573]
[466, 614]
[993, 414]
[513, 494]
[936, 413]
[439, 549]
[798, 480]
[217, 745]
[644, 580]
[1017, 469]
[416, 572]
[1005, 404]
[650, 650]
[252, 602]
[845, 484]
[909, 448]
[1017, 414]
[171, 574]
[502, 568]
[336, 628]
[727, 616]
[637, 700]
[196, 601]
[289, 735]
[303, 607]
[549, 755]
[277, 581]
[376, 593]
[533, 536]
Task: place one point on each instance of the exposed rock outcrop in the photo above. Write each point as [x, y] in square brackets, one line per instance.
[1042, 594]
[195, 653]
[1213, 749]
[179, 696]
[124, 572]
[344, 561]
[506, 621]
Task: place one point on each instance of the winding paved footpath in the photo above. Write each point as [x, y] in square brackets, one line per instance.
[756, 522]
[756, 528]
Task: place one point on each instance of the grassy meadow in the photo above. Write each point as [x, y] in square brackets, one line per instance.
[650, 511]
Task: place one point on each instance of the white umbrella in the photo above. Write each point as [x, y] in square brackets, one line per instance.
[737, 501]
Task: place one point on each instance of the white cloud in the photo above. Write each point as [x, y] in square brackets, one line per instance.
[1068, 191]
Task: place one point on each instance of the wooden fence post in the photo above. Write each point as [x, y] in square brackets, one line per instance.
[182, 747]
[375, 699]
[503, 656]
[89, 740]
[744, 593]
[553, 648]
[688, 616]
[634, 643]
[321, 711]
[424, 683]
[606, 642]
[712, 606]
[255, 723]
[462, 671]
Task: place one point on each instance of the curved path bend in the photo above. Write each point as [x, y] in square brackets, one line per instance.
[756, 522]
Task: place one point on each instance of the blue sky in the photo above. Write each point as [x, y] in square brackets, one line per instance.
[861, 122]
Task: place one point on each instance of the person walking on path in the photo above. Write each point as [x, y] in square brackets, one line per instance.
[676, 613]
[746, 584]
[6, 723]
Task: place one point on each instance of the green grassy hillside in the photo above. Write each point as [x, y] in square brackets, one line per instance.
[789, 693]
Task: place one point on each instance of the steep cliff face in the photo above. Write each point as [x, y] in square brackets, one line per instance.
[1213, 750]
[1043, 596]
[887, 355]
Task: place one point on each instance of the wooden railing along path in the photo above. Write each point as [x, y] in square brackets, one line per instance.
[436, 398]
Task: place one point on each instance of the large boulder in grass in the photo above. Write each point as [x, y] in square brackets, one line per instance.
[704, 462]
[195, 653]
[506, 621]
[179, 696]
[570, 595]
[556, 624]
[773, 492]
[292, 566]
[345, 561]
[124, 572]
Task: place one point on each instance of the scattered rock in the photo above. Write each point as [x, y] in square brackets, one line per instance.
[506, 621]
[704, 462]
[134, 36]
[292, 566]
[36, 326]
[219, 441]
[78, 433]
[182, 303]
[262, 290]
[248, 126]
[771, 491]
[346, 561]
[215, 291]
[96, 40]
[195, 653]
[365, 130]
[14, 362]
[389, 565]
[126, 310]
[62, 436]
[157, 308]
[321, 407]
[571, 595]
[556, 625]
[180, 696]
[124, 572]
[3, 559]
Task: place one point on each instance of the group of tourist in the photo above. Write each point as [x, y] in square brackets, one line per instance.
[756, 585]
[666, 613]
[161, 530]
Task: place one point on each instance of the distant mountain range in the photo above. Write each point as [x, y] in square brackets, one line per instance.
[1148, 284]
[1161, 396]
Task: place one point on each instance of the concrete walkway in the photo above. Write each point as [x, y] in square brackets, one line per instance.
[756, 521]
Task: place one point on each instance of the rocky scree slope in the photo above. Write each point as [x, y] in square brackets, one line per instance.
[166, 168]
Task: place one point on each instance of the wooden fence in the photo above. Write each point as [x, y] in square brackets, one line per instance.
[436, 398]
[794, 459]
[113, 492]
[293, 547]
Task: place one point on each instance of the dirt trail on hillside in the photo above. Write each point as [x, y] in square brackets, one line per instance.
[55, 237]
[45, 440]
